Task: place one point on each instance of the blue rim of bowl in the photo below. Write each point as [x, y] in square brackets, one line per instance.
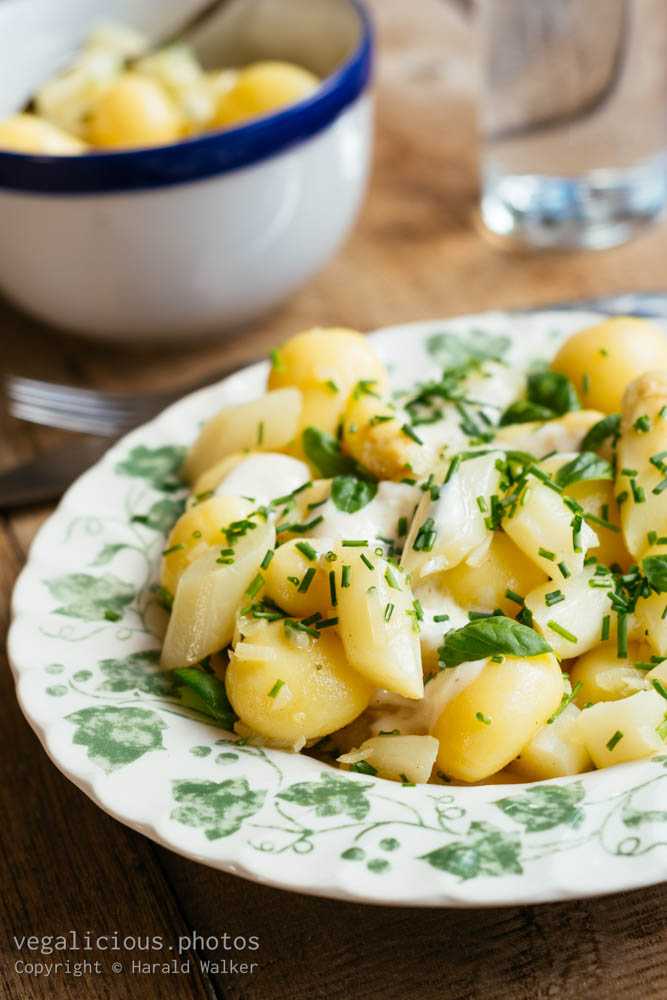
[202, 156]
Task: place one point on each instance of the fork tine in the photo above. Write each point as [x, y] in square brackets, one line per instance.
[65, 397]
[72, 422]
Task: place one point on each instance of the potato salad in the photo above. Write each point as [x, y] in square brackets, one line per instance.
[461, 582]
[118, 93]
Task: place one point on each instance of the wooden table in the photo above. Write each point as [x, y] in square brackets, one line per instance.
[416, 253]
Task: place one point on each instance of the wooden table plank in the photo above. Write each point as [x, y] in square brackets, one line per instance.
[416, 253]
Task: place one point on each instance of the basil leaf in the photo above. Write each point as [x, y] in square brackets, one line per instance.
[607, 427]
[523, 411]
[655, 571]
[212, 692]
[487, 637]
[323, 451]
[554, 391]
[454, 351]
[586, 465]
[351, 494]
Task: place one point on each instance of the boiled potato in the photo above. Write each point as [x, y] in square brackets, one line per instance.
[555, 751]
[378, 621]
[209, 480]
[195, 531]
[134, 111]
[267, 424]
[643, 437]
[483, 585]
[579, 614]
[453, 525]
[264, 477]
[484, 727]
[261, 88]
[606, 677]
[287, 571]
[541, 437]
[542, 528]
[208, 595]
[616, 731]
[291, 686]
[177, 71]
[610, 354]
[326, 365]
[372, 434]
[396, 757]
[26, 133]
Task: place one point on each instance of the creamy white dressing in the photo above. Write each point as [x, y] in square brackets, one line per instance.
[264, 477]
[378, 519]
[389, 711]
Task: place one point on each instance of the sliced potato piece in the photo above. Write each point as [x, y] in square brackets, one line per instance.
[265, 424]
[398, 758]
[447, 530]
[605, 677]
[208, 595]
[569, 613]
[295, 687]
[541, 437]
[485, 726]
[643, 437]
[542, 528]
[290, 582]
[617, 731]
[372, 434]
[195, 531]
[378, 622]
[555, 751]
[483, 586]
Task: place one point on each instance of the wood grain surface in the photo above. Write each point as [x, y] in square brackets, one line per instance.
[415, 253]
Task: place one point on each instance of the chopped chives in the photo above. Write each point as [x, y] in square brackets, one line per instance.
[546, 554]
[606, 625]
[659, 688]
[565, 701]
[638, 494]
[326, 623]
[402, 526]
[554, 597]
[419, 611]
[440, 618]
[255, 586]
[453, 467]
[112, 616]
[389, 732]
[332, 588]
[388, 612]
[642, 424]
[260, 432]
[267, 559]
[563, 632]
[405, 782]
[330, 384]
[276, 360]
[629, 472]
[660, 487]
[498, 658]
[297, 626]
[602, 521]
[511, 595]
[486, 719]
[616, 738]
[363, 767]
[345, 576]
[276, 688]
[354, 543]
[204, 495]
[366, 560]
[306, 549]
[307, 580]
[622, 637]
[391, 579]
[564, 570]
[173, 548]
[409, 432]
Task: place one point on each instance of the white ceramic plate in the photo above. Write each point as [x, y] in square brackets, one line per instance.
[116, 727]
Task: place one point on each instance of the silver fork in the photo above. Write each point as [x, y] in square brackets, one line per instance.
[91, 411]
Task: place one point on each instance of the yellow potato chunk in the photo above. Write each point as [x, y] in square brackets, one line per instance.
[372, 434]
[447, 530]
[266, 424]
[396, 757]
[485, 726]
[643, 437]
[377, 622]
[326, 365]
[289, 582]
[195, 531]
[483, 586]
[610, 355]
[262, 88]
[606, 677]
[26, 133]
[290, 686]
[208, 595]
[572, 624]
[616, 731]
[134, 111]
[555, 751]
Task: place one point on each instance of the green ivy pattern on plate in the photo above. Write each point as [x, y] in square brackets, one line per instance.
[148, 751]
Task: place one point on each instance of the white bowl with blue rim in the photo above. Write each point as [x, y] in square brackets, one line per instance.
[199, 236]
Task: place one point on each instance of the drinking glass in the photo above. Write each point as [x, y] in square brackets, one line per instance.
[573, 119]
